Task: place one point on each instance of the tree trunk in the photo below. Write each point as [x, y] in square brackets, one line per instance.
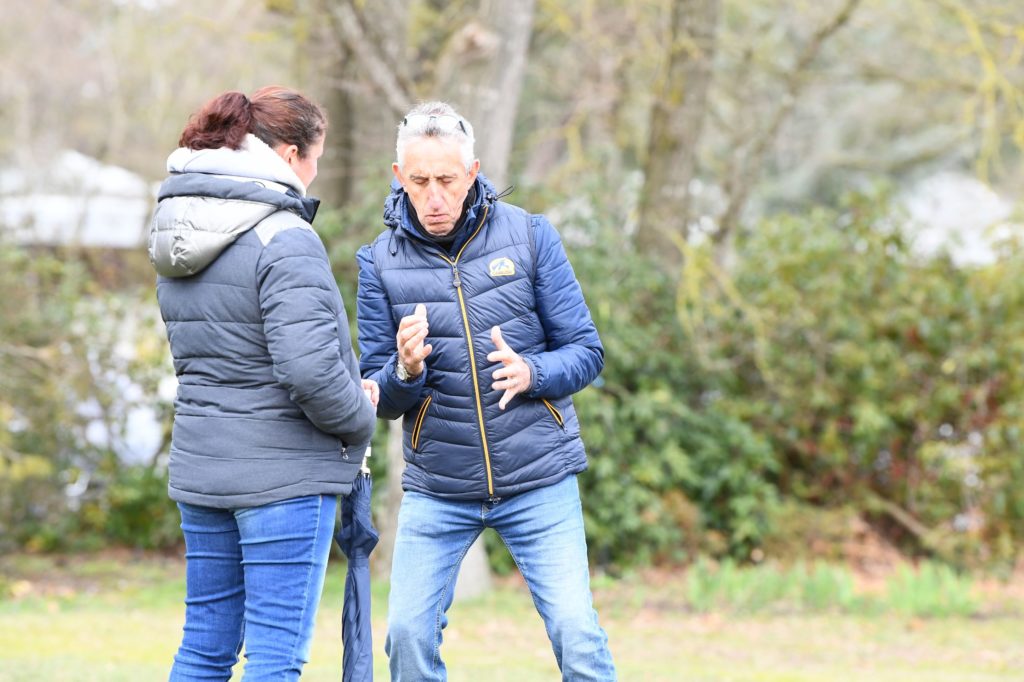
[388, 520]
[379, 54]
[482, 72]
[337, 168]
[364, 73]
[677, 118]
[749, 158]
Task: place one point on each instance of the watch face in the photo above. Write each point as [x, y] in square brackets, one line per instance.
[401, 371]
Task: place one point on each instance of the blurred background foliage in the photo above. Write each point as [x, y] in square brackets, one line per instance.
[788, 372]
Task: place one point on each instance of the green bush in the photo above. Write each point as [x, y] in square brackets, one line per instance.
[828, 372]
[75, 358]
[672, 474]
[883, 379]
[134, 510]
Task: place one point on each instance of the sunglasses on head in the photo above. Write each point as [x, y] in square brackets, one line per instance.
[447, 123]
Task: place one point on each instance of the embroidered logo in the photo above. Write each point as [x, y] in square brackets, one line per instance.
[502, 267]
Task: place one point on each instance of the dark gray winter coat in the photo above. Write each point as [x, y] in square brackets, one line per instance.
[269, 404]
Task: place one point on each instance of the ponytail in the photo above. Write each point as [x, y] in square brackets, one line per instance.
[275, 114]
[224, 121]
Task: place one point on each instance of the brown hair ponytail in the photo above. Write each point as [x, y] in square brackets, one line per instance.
[224, 121]
[275, 114]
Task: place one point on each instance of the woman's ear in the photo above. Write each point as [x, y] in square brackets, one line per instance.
[288, 152]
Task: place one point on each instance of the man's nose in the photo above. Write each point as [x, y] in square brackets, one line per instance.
[434, 194]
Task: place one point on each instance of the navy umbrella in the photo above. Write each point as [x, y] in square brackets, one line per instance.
[357, 537]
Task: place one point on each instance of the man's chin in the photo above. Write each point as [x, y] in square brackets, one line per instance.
[440, 230]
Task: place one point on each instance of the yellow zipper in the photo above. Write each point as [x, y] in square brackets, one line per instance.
[554, 412]
[419, 423]
[472, 355]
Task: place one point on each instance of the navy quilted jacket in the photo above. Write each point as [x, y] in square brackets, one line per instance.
[508, 268]
[269, 404]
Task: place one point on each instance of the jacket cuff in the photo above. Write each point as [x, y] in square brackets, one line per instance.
[535, 378]
[414, 386]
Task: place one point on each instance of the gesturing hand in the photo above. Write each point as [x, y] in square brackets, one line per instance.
[412, 330]
[514, 375]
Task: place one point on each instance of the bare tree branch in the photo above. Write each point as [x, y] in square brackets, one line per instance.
[378, 63]
[749, 162]
[482, 69]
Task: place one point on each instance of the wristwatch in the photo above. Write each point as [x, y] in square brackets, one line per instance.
[402, 372]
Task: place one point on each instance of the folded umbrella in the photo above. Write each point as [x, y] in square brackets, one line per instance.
[357, 537]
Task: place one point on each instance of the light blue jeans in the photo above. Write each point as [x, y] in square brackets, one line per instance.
[543, 530]
[256, 575]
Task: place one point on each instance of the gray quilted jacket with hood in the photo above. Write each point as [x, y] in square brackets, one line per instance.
[269, 404]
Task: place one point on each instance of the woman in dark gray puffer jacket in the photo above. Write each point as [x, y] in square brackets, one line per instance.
[271, 418]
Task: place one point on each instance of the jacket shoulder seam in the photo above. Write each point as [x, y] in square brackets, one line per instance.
[278, 222]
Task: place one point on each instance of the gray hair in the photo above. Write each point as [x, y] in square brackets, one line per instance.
[436, 119]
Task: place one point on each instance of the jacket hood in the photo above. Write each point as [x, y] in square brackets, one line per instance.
[211, 198]
[254, 160]
[396, 207]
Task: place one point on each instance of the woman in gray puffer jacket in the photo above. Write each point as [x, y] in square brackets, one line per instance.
[271, 417]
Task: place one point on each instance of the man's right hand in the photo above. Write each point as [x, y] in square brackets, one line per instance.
[412, 331]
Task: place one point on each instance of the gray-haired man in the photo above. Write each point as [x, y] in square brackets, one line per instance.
[473, 323]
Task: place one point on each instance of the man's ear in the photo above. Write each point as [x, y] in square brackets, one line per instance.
[396, 169]
[474, 170]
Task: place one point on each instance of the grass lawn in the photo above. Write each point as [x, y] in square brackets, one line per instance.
[118, 617]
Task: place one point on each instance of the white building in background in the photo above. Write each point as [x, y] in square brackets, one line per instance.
[74, 199]
[959, 213]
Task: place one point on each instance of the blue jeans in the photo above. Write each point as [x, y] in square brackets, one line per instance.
[543, 530]
[256, 575]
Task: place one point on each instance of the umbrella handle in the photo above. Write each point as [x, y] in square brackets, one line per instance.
[365, 469]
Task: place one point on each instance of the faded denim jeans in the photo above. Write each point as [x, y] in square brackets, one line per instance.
[253, 575]
[543, 530]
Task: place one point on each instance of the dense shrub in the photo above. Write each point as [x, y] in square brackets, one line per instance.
[672, 474]
[881, 377]
[827, 365]
[75, 360]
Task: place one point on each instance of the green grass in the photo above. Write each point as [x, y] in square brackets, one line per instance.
[119, 618]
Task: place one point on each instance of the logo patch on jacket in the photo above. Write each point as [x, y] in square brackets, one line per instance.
[502, 267]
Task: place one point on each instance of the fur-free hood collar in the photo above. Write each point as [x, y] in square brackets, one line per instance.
[254, 159]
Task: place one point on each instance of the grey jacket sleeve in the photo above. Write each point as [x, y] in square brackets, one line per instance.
[299, 303]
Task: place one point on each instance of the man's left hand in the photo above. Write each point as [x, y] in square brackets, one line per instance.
[514, 375]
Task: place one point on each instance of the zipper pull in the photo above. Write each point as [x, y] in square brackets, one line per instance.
[457, 281]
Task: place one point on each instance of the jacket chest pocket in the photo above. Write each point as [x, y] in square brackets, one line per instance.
[417, 425]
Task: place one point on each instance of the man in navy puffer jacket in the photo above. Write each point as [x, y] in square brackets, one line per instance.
[473, 323]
